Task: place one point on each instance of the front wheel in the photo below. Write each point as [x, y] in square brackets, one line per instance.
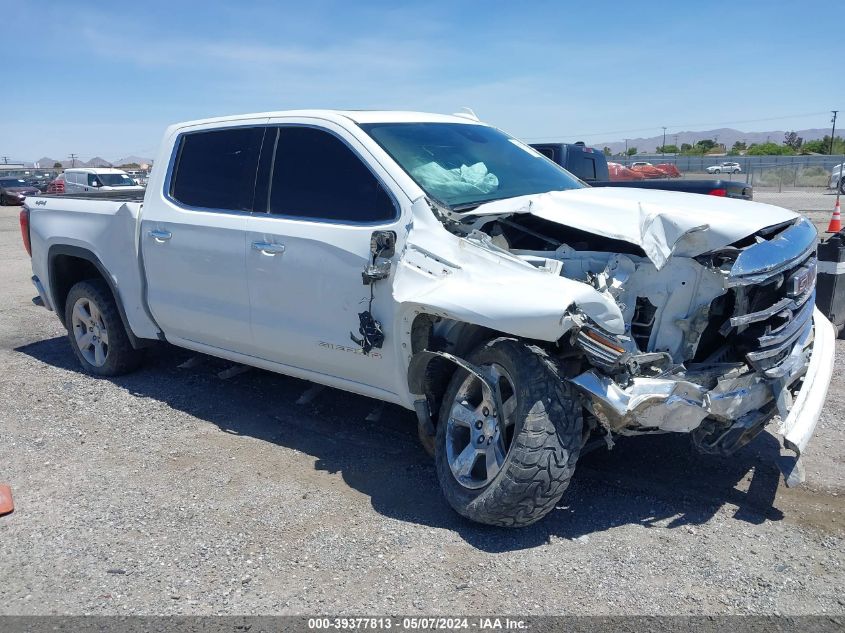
[96, 332]
[507, 467]
[842, 186]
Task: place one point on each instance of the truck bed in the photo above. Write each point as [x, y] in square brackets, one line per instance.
[102, 228]
[120, 196]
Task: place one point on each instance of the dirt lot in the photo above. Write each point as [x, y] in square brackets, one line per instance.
[174, 491]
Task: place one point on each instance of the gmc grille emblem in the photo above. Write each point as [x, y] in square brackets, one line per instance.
[802, 280]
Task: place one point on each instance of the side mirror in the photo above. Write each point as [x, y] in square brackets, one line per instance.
[382, 248]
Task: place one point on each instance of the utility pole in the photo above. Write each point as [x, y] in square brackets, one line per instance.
[72, 158]
[832, 131]
[5, 160]
[626, 148]
[663, 147]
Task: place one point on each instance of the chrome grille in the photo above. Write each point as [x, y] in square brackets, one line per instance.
[782, 313]
[773, 303]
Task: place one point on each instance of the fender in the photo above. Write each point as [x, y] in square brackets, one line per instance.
[82, 253]
[472, 281]
[416, 384]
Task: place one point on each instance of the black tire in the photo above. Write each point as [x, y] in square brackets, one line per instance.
[120, 356]
[842, 186]
[545, 443]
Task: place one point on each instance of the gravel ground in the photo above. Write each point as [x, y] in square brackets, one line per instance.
[174, 491]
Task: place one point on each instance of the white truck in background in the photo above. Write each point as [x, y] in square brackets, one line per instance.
[435, 262]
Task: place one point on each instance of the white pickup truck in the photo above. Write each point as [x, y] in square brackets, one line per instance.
[437, 263]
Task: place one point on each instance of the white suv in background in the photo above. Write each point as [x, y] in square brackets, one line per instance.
[837, 179]
[727, 168]
[83, 179]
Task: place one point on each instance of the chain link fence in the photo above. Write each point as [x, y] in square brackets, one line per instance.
[801, 183]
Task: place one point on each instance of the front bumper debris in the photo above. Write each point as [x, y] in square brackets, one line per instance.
[736, 408]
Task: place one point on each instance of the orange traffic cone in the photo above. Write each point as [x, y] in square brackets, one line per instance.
[6, 503]
[836, 221]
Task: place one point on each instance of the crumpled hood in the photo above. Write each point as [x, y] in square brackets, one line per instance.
[662, 223]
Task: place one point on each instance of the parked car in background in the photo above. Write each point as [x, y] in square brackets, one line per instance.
[83, 179]
[647, 170]
[837, 179]
[139, 176]
[620, 172]
[57, 185]
[14, 190]
[669, 169]
[724, 168]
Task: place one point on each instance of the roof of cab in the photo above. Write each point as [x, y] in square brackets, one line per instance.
[358, 116]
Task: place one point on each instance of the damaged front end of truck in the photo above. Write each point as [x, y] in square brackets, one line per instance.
[718, 333]
[752, 348]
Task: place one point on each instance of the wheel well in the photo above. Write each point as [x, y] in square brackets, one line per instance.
[65, 271]
[69, 265]
[437, 334]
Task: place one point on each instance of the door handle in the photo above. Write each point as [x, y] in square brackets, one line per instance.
[160, 236]
[268, 248]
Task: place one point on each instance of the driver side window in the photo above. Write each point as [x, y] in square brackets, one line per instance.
[93, 181]
[318, 176]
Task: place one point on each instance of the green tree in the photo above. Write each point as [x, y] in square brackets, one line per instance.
[632, 151]
[792, 140]
[769, 149]
[822, 146]
[705, 145]
[668, 149]
[686, 147]
[130, 166]
[739, 146]
[57, 165]
[607, 151]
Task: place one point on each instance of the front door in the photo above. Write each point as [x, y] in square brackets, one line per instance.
[307, 252]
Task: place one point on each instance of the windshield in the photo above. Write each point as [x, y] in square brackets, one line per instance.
[13, 182]
[464, 165]
[115, 180]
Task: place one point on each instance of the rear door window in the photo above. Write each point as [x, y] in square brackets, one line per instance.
[215, 169]
[317, 176]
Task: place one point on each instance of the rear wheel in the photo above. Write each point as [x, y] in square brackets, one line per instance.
[842, 186]
[507, 467]
[96, 332]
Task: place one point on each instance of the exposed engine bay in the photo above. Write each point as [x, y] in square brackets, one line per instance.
[714, 344]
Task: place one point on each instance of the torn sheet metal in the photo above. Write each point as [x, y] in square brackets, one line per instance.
[475, 282]
[662, 223]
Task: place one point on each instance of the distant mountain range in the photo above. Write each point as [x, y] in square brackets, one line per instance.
[725, 135]
[46, 162]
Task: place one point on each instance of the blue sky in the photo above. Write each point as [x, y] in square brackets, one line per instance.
[106, 79]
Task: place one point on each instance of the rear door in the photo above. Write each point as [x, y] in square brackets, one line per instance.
[193, 237]
[309, 243]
